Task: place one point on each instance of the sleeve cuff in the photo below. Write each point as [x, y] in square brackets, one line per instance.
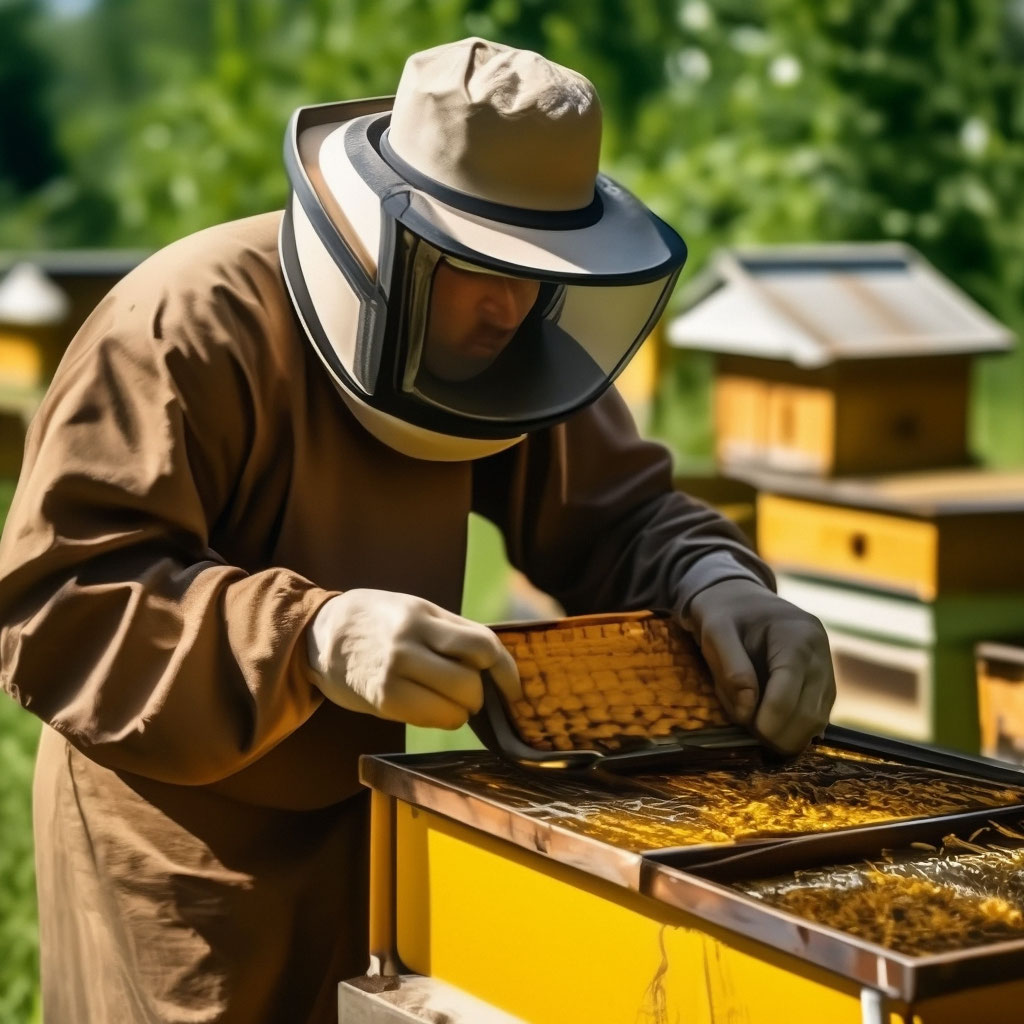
[712, 569]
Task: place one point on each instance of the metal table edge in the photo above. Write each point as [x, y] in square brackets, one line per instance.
[899, 975]
[394, 775]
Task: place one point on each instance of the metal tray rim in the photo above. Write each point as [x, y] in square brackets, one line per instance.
[899, 975]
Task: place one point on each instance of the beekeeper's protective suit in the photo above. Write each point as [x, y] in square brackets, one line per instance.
[235, 557]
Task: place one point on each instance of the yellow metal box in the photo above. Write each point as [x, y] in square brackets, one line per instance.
[513, 887]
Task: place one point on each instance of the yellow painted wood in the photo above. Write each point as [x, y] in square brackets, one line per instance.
[552, 945]
[741, 418]
[1002, 717]
[382, 883]
[990, 1004]
[21, 361]
[1001, 708]
[801, 428]
[774, 423]
[853, 544]
[639, 379]
[875, 415]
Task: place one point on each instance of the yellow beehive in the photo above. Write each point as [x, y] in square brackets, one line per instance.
[1000, 670]
[833, 360]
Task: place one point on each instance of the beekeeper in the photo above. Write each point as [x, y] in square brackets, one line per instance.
[235, 557]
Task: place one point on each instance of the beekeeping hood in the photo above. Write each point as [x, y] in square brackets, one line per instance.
[486, 156]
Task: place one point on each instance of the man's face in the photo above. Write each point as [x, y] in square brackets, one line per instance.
[473, 316]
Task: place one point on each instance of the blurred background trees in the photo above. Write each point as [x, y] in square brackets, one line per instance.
[133, 122]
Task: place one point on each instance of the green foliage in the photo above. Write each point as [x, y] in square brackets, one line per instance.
[618, 46]
[186, 129]
[180, 109]
[787, 121]
[19, 734]
[740, 121]
[28, 145]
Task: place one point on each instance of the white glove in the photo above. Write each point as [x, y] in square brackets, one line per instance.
[403, 658]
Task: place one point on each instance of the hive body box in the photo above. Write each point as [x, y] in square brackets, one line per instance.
[921, 534]
[906, 667]
[841, 379]
[908, 572]
[836, 359]
[868, 416]
[44, 298]
[1000, 668]
[547, 925]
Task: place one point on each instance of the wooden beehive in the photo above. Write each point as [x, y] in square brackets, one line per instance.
[32, 311]
[1000, 669]
[923, 534]
[906, 667]
[835, 360]
[870, 416]
[44, 298]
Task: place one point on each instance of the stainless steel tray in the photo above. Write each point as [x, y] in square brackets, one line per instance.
[533, 808]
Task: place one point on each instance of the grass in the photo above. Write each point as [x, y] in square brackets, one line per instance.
[19, 935]
[19, 932]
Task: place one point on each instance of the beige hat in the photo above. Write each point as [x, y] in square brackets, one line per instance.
[494, 150]
[504, 125]
[487, 156]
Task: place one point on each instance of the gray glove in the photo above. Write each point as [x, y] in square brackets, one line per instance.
[770, 661]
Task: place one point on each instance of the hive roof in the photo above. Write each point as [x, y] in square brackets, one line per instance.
[818, 304]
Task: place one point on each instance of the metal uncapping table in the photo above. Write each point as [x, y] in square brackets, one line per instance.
[472, 887]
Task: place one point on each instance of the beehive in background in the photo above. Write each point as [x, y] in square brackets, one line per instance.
[44, 298]
[907, 572]
[1000, 669]
[906, 667]
[922, 534]
[841, 396]
[639, 380]
[32, 311]
[836, 359]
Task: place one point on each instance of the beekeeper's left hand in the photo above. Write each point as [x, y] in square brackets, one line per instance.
[770, 661]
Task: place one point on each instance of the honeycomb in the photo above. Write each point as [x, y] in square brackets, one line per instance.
[608, 684]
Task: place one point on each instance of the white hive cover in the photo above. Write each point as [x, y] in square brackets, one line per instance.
[29, 298]
[814, 305]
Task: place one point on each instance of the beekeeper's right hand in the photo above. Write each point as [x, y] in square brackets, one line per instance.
[403, 658]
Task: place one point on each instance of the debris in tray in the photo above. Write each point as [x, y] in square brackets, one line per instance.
[609, 685]
[822, 790]
[915, 901]
[814, 793]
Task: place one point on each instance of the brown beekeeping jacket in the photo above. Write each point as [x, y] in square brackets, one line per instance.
[193, 491]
